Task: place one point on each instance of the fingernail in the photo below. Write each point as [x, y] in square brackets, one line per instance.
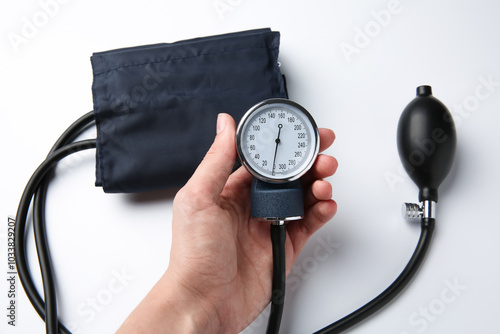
[221, 122]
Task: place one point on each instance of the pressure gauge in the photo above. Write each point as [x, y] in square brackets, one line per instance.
[277, 140]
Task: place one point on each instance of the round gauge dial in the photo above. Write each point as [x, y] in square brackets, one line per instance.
[277, 140]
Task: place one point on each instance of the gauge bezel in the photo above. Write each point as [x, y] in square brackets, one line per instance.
[307, 116]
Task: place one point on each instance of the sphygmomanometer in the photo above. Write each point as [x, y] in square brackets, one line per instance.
[152, 105]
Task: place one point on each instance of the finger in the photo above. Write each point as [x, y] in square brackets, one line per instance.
[320, 190]
[238, 186]
[241, 177]
[213, 172]
[326, 138]
[316, 216]
[324, 166]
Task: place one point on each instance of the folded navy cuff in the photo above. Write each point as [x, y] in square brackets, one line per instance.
[156, 105]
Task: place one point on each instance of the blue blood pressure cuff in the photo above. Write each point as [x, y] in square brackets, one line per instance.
[156, 106]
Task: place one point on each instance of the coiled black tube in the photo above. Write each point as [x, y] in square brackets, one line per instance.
[41, 243]
[38, 183]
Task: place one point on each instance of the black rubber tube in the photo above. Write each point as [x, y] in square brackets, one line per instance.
[22, 212]
[278, 237]
[427, 228]
[41, 243]
[42, 249]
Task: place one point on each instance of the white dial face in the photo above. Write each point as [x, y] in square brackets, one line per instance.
[277, 141]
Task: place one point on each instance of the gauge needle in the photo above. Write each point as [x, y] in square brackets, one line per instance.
[277, 143]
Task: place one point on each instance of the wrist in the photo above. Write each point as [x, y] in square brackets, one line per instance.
[192, 312]
[171, 308]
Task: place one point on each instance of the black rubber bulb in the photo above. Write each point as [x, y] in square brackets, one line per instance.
[427, 142]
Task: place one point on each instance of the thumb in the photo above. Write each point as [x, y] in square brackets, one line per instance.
[211, 175]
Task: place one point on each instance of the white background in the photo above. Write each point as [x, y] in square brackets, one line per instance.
[95, 237]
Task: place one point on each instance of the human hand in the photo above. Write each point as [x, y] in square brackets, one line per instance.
[220, 272]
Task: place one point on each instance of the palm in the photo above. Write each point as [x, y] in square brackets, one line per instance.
[233, 258]
[235, 251]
